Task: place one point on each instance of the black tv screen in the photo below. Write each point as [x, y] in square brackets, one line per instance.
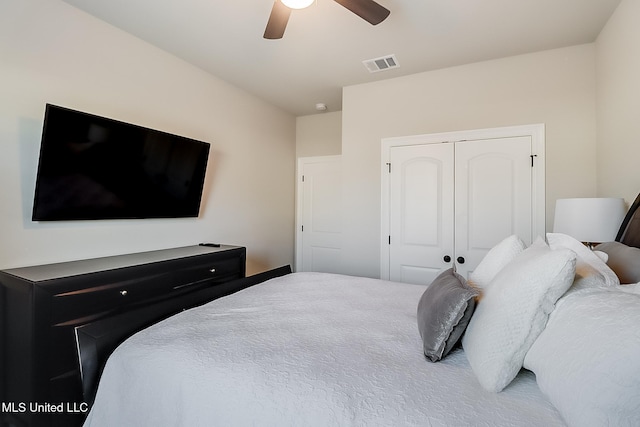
[93, 167]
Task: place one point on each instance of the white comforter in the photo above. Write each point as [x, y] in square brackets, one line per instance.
[307, 349]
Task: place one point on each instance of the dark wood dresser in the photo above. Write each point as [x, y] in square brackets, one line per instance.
[43, 305]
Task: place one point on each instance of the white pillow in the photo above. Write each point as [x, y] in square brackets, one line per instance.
[495, 260]
[587, 360]
[602, 255]
[513, 312]
[591, 270]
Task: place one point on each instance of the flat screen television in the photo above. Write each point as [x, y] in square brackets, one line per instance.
[94, 168]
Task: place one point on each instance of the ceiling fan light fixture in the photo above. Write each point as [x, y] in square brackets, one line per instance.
[368, 10]
[297, 4]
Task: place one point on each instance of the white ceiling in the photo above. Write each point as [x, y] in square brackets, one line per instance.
[324, 45]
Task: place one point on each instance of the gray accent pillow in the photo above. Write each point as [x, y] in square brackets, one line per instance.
[623, 260]
[444, 311]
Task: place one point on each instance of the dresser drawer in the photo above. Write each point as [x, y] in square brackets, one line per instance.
[128, 286]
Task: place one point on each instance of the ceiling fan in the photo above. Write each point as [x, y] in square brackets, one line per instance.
[368, 10]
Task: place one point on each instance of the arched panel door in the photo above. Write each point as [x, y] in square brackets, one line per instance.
[421, 219]
[449, 203]
[493, 196]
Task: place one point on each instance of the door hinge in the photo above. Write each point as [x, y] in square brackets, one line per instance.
[389, 239]
[532, 156]
[389, 167]
[302, 228]
[302, 178]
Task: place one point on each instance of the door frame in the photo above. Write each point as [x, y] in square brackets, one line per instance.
[535, 131]
[302, 161]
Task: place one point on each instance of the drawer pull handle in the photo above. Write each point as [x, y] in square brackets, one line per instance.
[124, 293]
[213, 270]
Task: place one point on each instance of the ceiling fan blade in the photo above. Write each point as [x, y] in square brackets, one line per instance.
[277, 21]
[368, 10]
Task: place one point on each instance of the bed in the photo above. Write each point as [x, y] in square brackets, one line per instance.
[317, 349]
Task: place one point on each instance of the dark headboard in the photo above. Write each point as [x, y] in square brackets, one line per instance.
[97, 340]
[629, 232]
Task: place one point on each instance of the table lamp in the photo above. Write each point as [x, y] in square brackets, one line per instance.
[589, 220]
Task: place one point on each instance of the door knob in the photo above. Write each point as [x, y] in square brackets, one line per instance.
[460, 260]
[447, 258]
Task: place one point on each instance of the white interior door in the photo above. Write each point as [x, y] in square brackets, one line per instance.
[319, 228]
[421, 218]
[455, 195]
[493, 196]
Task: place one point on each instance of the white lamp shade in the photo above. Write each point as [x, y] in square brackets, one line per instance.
[593, 220]
[297, 4]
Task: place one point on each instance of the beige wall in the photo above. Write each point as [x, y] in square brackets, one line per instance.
[53, 53]
[618, 72]
[319, 134]
[557, 88]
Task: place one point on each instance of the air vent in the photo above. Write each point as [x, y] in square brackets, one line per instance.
[381, 64]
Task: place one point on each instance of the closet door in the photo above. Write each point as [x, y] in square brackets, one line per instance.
[421, 196]
[493, 196]
[449, 203]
